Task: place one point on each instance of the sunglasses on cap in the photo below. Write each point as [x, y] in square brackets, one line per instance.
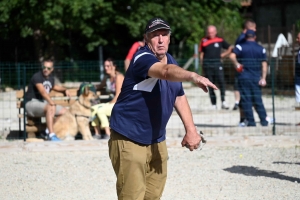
[48, 68]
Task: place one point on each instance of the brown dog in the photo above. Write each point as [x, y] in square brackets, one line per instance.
[77, 118]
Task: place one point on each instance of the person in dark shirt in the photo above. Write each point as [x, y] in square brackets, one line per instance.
[210, 59]
[38, 100]
[248, 25]
[250, 61]
[151, 89]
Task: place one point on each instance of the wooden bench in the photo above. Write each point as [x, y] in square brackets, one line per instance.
[34, 125]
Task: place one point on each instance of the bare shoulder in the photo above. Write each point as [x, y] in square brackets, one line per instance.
[119, 75]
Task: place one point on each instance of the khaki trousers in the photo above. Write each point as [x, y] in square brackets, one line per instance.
[141, 170]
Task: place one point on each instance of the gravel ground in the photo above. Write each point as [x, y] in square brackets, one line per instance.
[237, 163]
[216, 172]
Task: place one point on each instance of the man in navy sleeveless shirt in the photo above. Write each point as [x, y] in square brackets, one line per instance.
[151, 89]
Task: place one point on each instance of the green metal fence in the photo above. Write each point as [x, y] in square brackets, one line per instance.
[278, 97]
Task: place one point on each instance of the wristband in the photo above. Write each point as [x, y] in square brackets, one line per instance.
[239, 68]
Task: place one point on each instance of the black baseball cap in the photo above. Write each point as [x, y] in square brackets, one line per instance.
[250, 33]
[155, 24]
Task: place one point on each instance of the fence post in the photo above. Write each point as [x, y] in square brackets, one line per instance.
[273, 94]
[196, 58]
[19, 76]
[272, 79]
[269, 41]
[24, 102]
[293, 49]
[19, 87]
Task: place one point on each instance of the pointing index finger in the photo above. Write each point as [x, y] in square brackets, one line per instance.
[210, 84]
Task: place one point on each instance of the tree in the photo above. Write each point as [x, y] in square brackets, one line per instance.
[53, 22]
[60, 28]
[188, 18]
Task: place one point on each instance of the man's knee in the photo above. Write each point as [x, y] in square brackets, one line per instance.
[50, 109]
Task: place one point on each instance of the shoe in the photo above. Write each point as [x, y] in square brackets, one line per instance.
[54, 138]
[97, 136]
[105, 137]
[243, 123]
[214, 107]
[45, 134]
[224, 106]
[270, 120]
[236, 106]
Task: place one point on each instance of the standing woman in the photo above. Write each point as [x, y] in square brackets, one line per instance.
[112, 82]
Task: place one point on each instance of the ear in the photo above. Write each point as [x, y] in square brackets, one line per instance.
[86, 91]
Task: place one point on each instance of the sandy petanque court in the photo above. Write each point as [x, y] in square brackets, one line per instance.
[236, 163]
[235, 167]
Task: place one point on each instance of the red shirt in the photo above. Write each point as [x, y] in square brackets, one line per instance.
[132, 50]
[212, 49]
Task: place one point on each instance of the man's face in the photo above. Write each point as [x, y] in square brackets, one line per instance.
[47, 68]
[251, 26]
[158, 41]
[211, 32]
[298, 38]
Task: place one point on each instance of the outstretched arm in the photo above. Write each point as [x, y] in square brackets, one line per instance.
[174, 73]
[192, 138]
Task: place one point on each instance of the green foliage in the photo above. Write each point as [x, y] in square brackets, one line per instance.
[99, 22]
[298, 26]
[188, 18]
[54, 20]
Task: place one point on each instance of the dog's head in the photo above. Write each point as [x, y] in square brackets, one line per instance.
[89, 97]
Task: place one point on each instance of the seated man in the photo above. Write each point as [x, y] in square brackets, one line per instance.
[38, 101]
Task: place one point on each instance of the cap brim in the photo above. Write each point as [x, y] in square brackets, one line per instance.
[158, 27]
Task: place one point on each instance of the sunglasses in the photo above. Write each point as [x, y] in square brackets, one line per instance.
[48, 68]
